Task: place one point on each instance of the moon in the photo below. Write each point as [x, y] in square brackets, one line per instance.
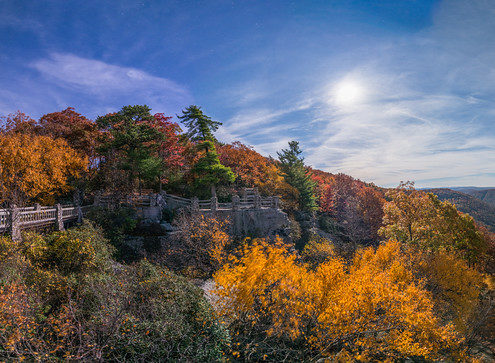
[348, 92]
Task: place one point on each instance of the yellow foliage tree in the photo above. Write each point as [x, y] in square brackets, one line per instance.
[36, 167]
[373, 308]
[422, 220]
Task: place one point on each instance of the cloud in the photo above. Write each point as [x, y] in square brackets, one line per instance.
[99, 78]
[92, 86]
[420, 107]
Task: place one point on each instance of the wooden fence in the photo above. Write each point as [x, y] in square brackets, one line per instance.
[212, 204]
[15, 219]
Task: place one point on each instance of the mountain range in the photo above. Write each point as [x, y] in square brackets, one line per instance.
[477, 202]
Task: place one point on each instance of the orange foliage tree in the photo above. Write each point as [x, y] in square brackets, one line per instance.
[373, 308]
[36, 167]
[421, 219]
[200, 246]
[80, 133]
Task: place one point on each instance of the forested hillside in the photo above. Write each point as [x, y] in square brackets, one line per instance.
[485, 194]
[359, 273]
[479, 209]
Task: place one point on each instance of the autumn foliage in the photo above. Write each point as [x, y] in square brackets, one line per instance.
[36, 168]
[421, 219]
[200, 247]
[63, 298]
[364, 274]
[373, 308]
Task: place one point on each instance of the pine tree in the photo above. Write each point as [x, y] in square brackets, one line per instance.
[296, 175]
[201, 127]
[207, 171]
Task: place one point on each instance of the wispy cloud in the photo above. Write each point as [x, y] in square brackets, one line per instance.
[92, 85]
[100, 78]
[418, 108]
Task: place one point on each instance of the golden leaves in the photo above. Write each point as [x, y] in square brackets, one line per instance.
[36, 167]
[374, 306]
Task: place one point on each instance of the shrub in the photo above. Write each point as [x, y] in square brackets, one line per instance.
[317, 251]
[371, 309]
[166, 318]
[116, 224]
[78, 250]
[199, 247]
[328, 224]
[75, 303]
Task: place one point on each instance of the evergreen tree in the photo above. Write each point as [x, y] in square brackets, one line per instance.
[296, 175]
[201, 127]
[207, 171]
[130, 144]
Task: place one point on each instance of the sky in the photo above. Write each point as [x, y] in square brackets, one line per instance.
[385, 91]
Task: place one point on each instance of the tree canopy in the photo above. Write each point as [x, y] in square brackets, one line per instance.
[130, 143]
[421, 219]
[36, 168]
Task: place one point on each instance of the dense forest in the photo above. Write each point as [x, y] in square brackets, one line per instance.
[478, 208]
[363, 273]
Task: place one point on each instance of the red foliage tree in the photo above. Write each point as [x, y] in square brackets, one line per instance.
[251, 168]
[354, 204]
[171, 149]
[79, 132]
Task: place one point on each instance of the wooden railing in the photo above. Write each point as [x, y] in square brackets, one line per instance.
[14, 219]
[247, 202]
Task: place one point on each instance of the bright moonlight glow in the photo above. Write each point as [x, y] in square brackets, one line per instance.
[348, 93]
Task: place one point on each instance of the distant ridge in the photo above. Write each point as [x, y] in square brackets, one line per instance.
[485, 194]
[479, 209]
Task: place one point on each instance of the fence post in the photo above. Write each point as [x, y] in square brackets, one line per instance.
[79, 214]
[214, 204]
[60, 218]
[97, 201]
[235, 202]
[37, 206]
[15, 225]
[195, 204]
[257, 201]
[244, 195]
[275, 202]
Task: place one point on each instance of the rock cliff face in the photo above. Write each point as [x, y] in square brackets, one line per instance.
[254, 222]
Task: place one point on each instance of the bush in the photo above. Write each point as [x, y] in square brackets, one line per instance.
[372, 309]
[63, 298]
[317, 251]
[116, 225]
[78, 250]
[199, 247]
[166, 319]
[328, 224]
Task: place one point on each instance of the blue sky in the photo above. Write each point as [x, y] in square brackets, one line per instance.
[382, 90]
